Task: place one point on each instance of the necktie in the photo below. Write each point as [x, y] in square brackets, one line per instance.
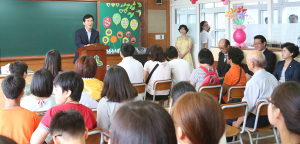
[225, 56]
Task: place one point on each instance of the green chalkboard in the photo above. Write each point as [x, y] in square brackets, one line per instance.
[112, 16]
[34, 27]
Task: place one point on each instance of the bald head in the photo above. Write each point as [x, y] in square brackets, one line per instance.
[224, 45]
[256, 59]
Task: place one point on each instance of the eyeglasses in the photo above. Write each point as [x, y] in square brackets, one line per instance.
[257, 44]
[269, 100]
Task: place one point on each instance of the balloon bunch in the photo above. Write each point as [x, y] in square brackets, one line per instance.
[193, 1]
[225, 2]
[238, 17]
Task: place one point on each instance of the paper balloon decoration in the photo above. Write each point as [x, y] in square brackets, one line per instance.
[125, 23]
[105, 39]
[117, 18]
[133, 40]
[128, 33]
[125, 40]
[120, 34]
[113, 39]
[108, 32]
[134, 24]
[107, 22]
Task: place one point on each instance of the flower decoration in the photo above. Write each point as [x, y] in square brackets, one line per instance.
[242, 15]
[237, 16]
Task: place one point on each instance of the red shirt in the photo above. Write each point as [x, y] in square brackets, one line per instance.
[88, 115]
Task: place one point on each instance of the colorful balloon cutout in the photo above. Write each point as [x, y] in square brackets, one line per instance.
[134, 24]
[239, 36]
[128, 33]
[133, 40]
[125, 40]
[125, 23]
[113, 39]
[105, 39]
[107, 22]
[117, 18]
[120, 34]
[108, 32]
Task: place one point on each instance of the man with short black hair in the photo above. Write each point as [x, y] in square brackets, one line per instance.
[68, 127]
[180, 68]
[223, 67]
[293, 18]
[260, 43]
[87, 35]
[133, 67]
[16, 122]
[18, 67]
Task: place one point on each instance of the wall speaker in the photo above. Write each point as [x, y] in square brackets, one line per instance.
[158, 2]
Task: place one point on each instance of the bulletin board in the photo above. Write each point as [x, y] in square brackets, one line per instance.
[119, 23]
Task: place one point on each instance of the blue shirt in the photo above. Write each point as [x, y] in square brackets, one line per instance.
[88, 34]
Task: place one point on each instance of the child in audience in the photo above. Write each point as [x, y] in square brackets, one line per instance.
[68, 88]
[41, 89]
[180, 89]
[284, 111]
[142, 122]
[53, 62]
[20, 67]
[67, 127]
[198, 118]
[117, 90]
[16, 122]
[6, 140]
[86, 67]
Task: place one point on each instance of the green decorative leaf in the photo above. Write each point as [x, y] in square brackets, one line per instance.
[139, 4]
[127, 4]
[122, 5]
[133, 8]
[140, 13]
[137, 10]
[131, 15]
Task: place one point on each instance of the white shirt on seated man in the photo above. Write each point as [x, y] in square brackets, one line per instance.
[180, 68]
[133, 67]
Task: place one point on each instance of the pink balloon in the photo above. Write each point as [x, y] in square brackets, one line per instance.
[237, 45]
[225, 2]
[239, 26]
[243, 45]
[239, 36]
[243, 27]
[235, 27]
[107, 22]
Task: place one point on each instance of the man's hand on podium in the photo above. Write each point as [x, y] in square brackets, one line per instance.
[87, 44]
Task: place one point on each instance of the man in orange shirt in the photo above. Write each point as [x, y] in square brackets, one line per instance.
[236, 75]
[16, 122]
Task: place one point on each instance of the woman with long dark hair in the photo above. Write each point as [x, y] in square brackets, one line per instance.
[205, 39]
[53, 62]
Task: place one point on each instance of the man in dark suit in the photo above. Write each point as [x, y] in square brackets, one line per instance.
[87, 35]
[223, 67]
[260, 43]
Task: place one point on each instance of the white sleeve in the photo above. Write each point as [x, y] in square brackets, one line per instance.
[102, 115]
[147, 65]
[203, 37]
[250, 95]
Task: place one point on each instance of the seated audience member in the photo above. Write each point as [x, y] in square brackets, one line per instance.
[260, 43]
[180, 89]
[205, 59]
[67, 127]
[117, 90]
[142, 122]
[68, 88]
[162, 72]
[6, 140]
[236, 75]
[86, 67]
[223, 66]
[41, 89]
[53, 62]
[20, 67]
[133, 67]
[258, 88]
[288, 69]
[180, 68]
[284, 111]
[198, 117]
[16, 122]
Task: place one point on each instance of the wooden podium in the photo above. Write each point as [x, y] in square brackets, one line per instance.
[98, 51]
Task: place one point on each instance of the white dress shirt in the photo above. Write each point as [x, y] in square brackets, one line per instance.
[88, 34]
[258, 88]
[180, 70]
[133, 68]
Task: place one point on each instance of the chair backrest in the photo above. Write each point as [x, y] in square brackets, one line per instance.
[95, 112]
[261, 108]
[140, 87]
[163, 84]
[94, 136]
[40, 114]
[214, 90]
[234, 110]
[236, 92]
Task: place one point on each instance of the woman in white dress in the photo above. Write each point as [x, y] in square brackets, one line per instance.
[205, 39]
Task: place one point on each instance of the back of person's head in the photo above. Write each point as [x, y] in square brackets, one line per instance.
[13, 86]
[86, 66]
[261, 37]
[236, 55]
[53, 62]
[205, 57]
[87, 16]
[42, 83]
[171, 52]
[18, 67]
[6, 140]
[258, 59]
[292, 48]
[117, 86]
[181, 88]
[127, 49]
[286, 97]
[156, 53]
[68, 126]
[199, 117]
[70, 80]
[142, 122]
